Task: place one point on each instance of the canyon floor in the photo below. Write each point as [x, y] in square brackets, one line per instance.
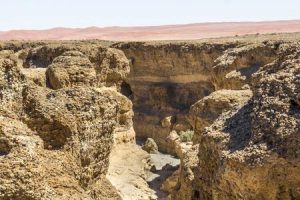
[130, 172]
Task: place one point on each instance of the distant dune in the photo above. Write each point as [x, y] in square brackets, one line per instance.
[167, 32]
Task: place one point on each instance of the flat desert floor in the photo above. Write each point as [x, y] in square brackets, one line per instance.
[146, 33]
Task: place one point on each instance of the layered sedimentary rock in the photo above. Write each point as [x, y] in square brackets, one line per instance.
[164, 81]
[167, 78]
[58, 125]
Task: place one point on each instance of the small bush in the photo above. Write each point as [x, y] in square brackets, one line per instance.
[186, 136]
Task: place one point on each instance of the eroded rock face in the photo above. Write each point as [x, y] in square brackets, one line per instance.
[11, 85]
[164, 81]
[56, 134]
[234, 68]
[80, 120]
[248, 151]
[87, 59]
[112, 67]
[72, 68]
[167, 78]
[206, 111]
[276, 103]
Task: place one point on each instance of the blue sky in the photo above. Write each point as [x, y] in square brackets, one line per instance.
[42, 14]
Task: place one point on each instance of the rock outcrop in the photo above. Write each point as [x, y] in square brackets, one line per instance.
[211, 108]
[246, 145]
[59, 125]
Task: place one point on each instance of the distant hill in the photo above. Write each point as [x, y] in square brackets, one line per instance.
[167, 32]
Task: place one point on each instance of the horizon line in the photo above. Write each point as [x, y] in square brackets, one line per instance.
[142, 26]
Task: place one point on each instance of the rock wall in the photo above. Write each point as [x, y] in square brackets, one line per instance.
[164, 81]
[167, 78]
[239, 97]
[244, 144]
[61, 115]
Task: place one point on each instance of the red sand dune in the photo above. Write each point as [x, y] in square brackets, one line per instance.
[168, 32]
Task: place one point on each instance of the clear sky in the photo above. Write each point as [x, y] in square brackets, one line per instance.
[43, 14]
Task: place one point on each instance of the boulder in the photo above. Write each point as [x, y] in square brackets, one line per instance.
[150, 146]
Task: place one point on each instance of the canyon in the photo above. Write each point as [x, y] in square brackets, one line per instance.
[207, 119]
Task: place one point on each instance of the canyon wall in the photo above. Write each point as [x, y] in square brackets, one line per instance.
[164, 81]
[245, 144]
[241, 100]
[61, 114]
[167, 78]
[229, 109]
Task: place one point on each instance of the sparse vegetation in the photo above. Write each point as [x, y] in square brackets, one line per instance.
[186, 136]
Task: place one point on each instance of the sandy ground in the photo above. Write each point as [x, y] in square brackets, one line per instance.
[168, 32]
[165, 165]
[129, 172]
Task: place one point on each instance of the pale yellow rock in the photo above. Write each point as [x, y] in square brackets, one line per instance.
[55, 144]
[167, 122]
